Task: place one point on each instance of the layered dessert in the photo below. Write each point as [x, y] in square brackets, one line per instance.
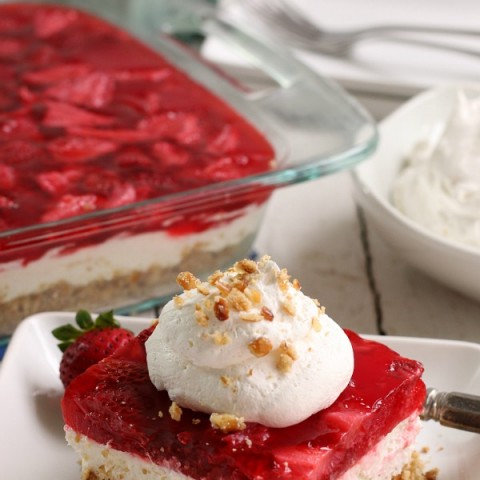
[91, 120]
[438, 186]
[246, 378]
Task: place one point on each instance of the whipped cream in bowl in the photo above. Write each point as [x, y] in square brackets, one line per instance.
[249, 344]
[420, 189]
[439, 184]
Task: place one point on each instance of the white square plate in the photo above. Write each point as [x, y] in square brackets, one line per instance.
[31, 426]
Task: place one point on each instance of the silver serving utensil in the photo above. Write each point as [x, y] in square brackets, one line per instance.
[453, 409]
[292, 26]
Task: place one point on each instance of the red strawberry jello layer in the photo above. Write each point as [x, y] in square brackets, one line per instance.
[92, 119]
[123, 428]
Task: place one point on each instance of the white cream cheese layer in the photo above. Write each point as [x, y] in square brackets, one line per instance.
[439, 187]
[249, 343]
[121, 255]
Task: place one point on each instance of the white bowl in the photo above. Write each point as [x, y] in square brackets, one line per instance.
[451, 263]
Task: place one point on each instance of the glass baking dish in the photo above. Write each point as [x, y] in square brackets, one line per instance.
[128, 257]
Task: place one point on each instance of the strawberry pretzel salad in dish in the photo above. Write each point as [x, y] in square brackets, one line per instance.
[243, 377]
[124, 158]
[91, 120]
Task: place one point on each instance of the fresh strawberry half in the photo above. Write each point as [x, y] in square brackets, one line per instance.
[91, 342]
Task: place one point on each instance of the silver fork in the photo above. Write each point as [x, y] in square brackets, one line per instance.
[291, 25]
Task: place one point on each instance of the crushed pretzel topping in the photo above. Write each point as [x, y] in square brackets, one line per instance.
[289, 350]
[175, 412]
[266, 313]
[240, 282]
[316, 325]
[221, 309]
[250, 317]
[264, 260]
[287, 355]
[247, 266]
[221, 338]
[260, 347]
[415, 470]
[321, 310]
[222, 288]
[289, 307]
[186, 280]
[284, 363]
[202, 287]
[200, 316]
[214, 277]
[208, 304]
[283, 280]
[253, 295]
[225, 380]
[178, 301]
[227, 422]
[296, 284]
[238, 300]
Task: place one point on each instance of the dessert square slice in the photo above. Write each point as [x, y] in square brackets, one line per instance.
[122, 427]
[244, 377]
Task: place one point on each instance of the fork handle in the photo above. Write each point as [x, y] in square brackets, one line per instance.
[453, 409]
[421, 29]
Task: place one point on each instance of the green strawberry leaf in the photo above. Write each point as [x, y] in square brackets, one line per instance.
[84, 320]
[66, 333]
[64, 345]
[106, 319]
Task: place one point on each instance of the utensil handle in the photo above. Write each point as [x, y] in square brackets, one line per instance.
[453, 409]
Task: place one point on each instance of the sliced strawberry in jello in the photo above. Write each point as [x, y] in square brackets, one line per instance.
[7, 203]
[10, 47]
[93, 90]
[115, 404]
[185, 128]
[51, 21]
[118, 135]
[64, 115]
[225, 141]
[19, 153]
[58, 182]
[71, 149]
[7, 177]
[171, 155]
[71, 205]
[57, 73]
[109, 190]
[134, 158]
[17, 126]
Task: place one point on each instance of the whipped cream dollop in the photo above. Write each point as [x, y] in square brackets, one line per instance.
[249, 343]
[439, 186]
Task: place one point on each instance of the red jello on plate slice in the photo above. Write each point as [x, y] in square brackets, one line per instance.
[122, 428]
